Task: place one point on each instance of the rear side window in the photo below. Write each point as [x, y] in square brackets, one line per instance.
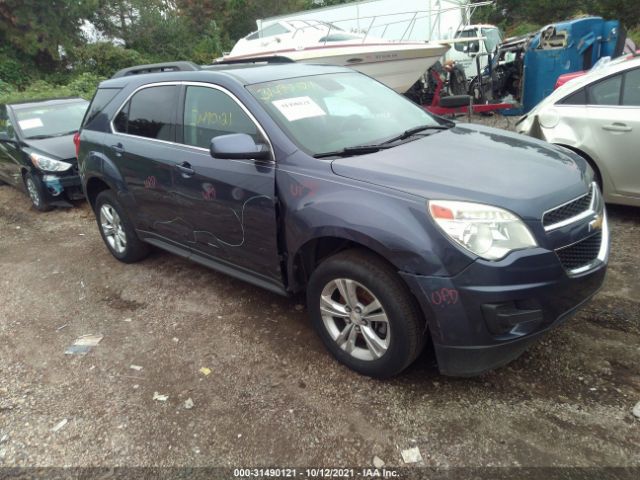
[631, 93]
[210, 113]
[150, 113]
[606, 92]
[101, 99]
[576, 98]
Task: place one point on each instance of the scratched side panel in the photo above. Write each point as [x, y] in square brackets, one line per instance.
[228, 207]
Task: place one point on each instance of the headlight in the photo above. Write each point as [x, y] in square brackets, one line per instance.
[489, 232]
[48, 164]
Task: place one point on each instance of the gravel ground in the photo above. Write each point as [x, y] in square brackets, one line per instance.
[274, 396]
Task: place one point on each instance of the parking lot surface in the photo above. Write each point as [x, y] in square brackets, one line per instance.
[264, 389]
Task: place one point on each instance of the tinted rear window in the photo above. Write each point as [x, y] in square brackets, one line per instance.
[576, 98]
[150, 113]
[100, 100]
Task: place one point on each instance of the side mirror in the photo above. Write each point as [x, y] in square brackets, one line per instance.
[238, 146]
[4, 137]
[474, 47]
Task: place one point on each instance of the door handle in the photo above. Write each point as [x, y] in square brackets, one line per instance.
[185, 169]
[118, 149]
[617, 127]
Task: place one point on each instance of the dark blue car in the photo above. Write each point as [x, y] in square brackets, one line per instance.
[402, 228]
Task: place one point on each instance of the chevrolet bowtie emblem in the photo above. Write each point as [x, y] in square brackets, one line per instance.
[596, 223]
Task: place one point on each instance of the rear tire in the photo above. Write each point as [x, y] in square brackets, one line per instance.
[36, 191]
[364, 314]
[117, 230]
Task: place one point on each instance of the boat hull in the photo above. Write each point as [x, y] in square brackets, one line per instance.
[397, 65]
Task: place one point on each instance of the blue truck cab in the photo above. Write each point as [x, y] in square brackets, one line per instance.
[525, 69]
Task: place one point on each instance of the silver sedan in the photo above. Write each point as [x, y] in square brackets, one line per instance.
[597, 116]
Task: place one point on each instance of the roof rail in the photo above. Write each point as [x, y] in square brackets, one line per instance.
[157, 68]
[270, 59]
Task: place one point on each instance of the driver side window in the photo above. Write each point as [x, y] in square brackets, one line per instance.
[209, 113]
[468, 47]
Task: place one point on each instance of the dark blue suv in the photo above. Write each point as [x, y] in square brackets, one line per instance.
[401, 227]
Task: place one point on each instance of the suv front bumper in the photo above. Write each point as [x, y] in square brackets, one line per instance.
[489, 314]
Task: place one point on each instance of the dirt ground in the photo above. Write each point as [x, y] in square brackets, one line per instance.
[274, 395]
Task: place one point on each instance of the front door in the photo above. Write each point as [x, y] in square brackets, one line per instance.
[229, 204]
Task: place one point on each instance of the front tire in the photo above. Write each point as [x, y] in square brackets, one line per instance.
[365, 314]
[117, 231]
[36, 190]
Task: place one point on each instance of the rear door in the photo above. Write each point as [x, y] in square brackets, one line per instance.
[229, 204]
[142, 144]
[613, 111]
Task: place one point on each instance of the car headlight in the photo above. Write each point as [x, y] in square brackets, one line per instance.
[487, 231]
[48, 164]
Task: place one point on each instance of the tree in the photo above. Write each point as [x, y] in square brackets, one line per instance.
[41, 34]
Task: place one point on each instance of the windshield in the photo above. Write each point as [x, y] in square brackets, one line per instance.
[46, 121]
[492, 38]
[325, 113]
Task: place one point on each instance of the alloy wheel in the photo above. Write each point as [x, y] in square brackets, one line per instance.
[34, 194]
[355, 319]
[112, 228]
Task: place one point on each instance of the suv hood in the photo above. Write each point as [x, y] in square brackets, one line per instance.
[476, 164]
[60, 148]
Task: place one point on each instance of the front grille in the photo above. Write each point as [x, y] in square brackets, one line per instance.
[580, 254]
[569, 210]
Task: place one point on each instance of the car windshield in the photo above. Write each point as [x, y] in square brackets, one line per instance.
[326, 113]
[50, 120]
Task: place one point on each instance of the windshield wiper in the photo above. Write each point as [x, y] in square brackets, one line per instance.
[412, 131]
[349, 151]
[63, 134]
[42, 137]
[38, 137]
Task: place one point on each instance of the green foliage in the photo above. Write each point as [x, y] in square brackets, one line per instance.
[506, 13]
[522, 29]
[104, 58]
[13, 71]
[634, 34]
[83, 86]
[41, 30]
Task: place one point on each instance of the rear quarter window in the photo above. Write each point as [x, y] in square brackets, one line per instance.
[100, 100]
[576, 98]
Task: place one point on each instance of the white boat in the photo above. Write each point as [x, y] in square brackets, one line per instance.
[396, 64]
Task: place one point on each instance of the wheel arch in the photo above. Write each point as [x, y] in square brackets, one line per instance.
[93, 187]
[312, 252]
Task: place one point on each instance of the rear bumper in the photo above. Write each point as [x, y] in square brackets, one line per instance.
[490, 313]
